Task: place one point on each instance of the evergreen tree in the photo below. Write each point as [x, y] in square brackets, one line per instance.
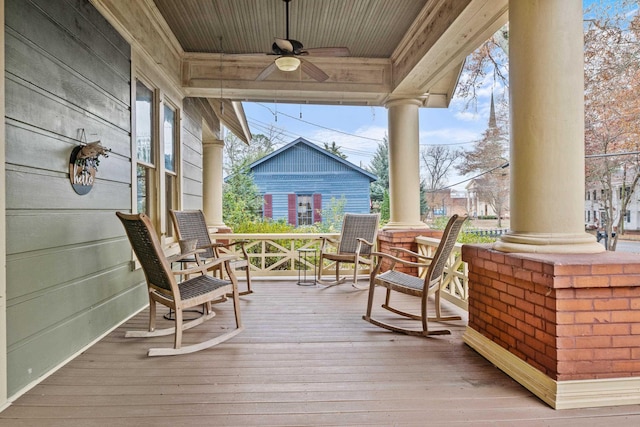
[380, 167]
[241, 200]
[334, 149]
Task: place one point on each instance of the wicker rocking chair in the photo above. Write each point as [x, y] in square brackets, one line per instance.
[421, 287]
[199, 290]
[357, 241]
[192, 225]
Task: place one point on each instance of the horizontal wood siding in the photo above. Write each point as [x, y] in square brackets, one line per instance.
[191, 156]
[68, 261]
[303, 170]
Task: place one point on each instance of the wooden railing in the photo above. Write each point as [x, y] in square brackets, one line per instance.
[456, 279]
[276, 255]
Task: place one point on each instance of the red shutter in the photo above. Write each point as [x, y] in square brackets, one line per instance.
[268, 206]
[317, 208]
[293, 209]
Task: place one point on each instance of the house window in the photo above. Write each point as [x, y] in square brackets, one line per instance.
[170, 164]
[624, 191]
[305, 209]
[145, 154]
[157, 161]
[594, 194]
[588, 195]
[627, 216]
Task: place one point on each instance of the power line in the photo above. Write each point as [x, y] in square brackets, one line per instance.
[317, 125]
[626, 153]
[503, 166]
[266, 127]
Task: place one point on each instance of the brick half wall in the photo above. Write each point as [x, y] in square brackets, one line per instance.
[406, 239]
[572, 317]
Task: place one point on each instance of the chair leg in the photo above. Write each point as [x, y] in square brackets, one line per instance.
[372, 290]
[205, 344]
[387, 306]
[236, 308]
[439, 317]
[248, 275]
[152, 315]
[178, 334]
[338, 280]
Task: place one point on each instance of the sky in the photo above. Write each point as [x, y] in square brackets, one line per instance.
[359, 130]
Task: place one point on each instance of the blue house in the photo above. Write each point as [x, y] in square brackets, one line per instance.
[298, 180]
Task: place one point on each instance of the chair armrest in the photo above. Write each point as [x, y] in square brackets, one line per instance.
[396, 260]
[365, 241]
[240, 243]
[408, 252]
[227, 245]
[180, 256]
[328, 239]
[325, 239]
[206, 267]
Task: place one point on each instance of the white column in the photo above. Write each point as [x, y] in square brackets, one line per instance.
[212, 174]
[404, 165]
[546, 85]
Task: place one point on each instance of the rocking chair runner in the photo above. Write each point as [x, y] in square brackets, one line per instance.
[192, 225]
[162, 287]
[357, 240]
[422, 288]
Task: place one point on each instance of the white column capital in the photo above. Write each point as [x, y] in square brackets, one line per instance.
[208, 141]
[404, 101]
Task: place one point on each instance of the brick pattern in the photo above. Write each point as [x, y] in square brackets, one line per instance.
[406, 239]
[570, 316]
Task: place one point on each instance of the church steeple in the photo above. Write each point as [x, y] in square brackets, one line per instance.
[492, 115]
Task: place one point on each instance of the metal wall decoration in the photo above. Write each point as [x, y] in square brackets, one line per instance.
[83, 164]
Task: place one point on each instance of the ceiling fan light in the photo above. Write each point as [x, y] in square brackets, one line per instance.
[287, 63]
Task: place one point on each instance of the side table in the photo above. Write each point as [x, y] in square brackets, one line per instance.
[305, 257]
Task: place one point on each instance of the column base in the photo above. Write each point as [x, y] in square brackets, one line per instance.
[549, 243]
[405, 226]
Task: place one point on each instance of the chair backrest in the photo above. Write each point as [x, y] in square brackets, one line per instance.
[354, 226]
[448, 241]
[192, 225]
[146, 246]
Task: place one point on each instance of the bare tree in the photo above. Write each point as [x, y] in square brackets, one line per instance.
[236, 152]
[490, 59]
[437, 161]
[612, 107]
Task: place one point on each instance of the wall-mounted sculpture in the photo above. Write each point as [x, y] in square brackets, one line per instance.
[83, 165]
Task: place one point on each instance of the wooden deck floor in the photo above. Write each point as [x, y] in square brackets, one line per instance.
[306, 358]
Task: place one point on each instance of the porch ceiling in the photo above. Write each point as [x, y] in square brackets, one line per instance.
[399, 48]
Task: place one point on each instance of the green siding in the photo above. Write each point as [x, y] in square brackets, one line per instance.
[68, 260]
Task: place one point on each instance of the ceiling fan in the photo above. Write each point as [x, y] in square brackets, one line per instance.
[289, 51]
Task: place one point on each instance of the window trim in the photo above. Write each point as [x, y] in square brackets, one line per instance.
[158, 207]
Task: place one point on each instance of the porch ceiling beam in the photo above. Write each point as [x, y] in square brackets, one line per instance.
[444, 34]
[365, 81]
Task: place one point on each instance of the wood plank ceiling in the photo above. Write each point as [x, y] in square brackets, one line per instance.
[397, 48]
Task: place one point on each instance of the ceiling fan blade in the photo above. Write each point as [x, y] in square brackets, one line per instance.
[314, 72]
[328, 51]
[284, 45]
[267, 71]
